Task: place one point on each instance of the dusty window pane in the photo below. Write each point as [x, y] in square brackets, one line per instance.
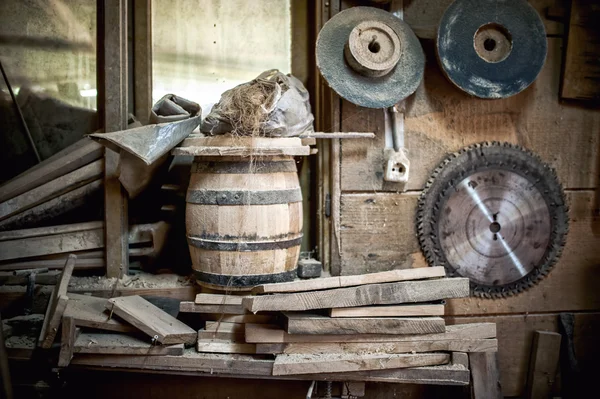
[202, 48]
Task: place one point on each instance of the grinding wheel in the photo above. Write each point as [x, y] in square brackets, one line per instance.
[491, 48]
[370, 57]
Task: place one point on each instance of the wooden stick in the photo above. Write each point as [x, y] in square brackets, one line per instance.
[69, 334]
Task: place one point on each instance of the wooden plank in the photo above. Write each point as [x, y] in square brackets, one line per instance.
[115, 119]
[89, 311]
[223, 332]
[303, 323]
[48, 231]
[237, 328]
[232, 318]
[121, 344]
[485, 375]
[218, 299]
[543, 365]
[191, 307]
[71, 158]
[82, 264]
[220, 346]
[448, 345]
[372, 294]
[338, 363]
[151, 320]
[69, 334]
[52, 189]
[56, 305]
[390, 311]
[142, 59]
[349, 281]
[267, 333]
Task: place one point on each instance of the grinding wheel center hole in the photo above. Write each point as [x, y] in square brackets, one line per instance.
[489, 44]
[492, 42]
[495, 227]
[374, 46]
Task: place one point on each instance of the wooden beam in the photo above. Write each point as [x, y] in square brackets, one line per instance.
[90, 311]
[485, 375]
[151, 320]
[56, 305]
[121, 344]
[267, 333]
[349, 281]
[142, 59]
[329, 363]
[69, 335]
[390, 311]
[303, 323]
[446, 345]
[115, 119]
[372, 294]
[543, 365]
[220, 346]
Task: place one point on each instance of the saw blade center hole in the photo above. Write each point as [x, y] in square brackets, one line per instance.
[493, 43]
[374, 46]
[495, 227]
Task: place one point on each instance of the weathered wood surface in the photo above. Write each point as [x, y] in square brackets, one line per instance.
[389, 311]
[314, 364]
[151, 320]
[56, 305]
[233, 332]
[267, 333]
[89, 311]
[485, 375]
[303, 323]
[233, 318]
[121, 344]
[217, 299]
[373, 294]
[349, 281]
[191, 307]
[543, 365]
[448, 345]
[67, 341]
[225, 327]
[222, 346]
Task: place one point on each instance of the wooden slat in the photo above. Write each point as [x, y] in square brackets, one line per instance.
[217, 299]
[56, 305]
[121, 344]
[220, 346]
[266, 333]
[151, 320]
[142, 59]
[191, 307]
[89, 311]
[543, 365]
[303, 323]
[313, 364]
[237, 328]
[233, 318]
[49, 231]
[390, 311]
[233, 332]
[349, 281]
[310, 348]
[373, 294]
[485, 375]
[69, 334]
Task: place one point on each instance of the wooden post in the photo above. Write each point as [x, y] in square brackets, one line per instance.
[142, 59]
[485, 375]
[543, 365]
[115, 118]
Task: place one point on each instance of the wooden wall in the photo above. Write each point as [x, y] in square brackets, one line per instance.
[377, 229]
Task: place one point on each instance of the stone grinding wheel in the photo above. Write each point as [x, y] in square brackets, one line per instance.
[370, 57]
[491, 48]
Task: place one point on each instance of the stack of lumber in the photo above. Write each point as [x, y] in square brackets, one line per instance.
[117, 326]
[380, 322]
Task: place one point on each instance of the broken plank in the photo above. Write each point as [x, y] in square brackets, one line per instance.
[339, 363]
[89, 311]
[191, 307]
[220, 346]
[448, 345]
[67, 342]
[349, 281]
[121, 344]
[56, 305]
[302, 323]
[151, 320]
[389, 311]
[372, 294]
[268, 333]
[246, 318]
[543, 365]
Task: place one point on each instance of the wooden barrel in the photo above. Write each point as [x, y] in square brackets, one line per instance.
[244, 221]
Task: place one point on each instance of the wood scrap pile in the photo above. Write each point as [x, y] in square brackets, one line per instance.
[386, 323]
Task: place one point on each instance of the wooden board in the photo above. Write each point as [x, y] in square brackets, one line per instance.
[233, 332]
[390, 311]
[89, 311]
[71, 158]
[69, 334]
[266, 333]
[349, 281]
[448, 345]
[246, 318]
[52, 189]
[225, 327]
[373, 294]
[121, 344]
[485, 375]
[222, 346]
[191, 307]
[303, 323]
[218, 299]
[151, 320]
[56, 305]
[314, 364]
[543, 365]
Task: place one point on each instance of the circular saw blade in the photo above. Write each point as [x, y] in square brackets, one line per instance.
[496, 214]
